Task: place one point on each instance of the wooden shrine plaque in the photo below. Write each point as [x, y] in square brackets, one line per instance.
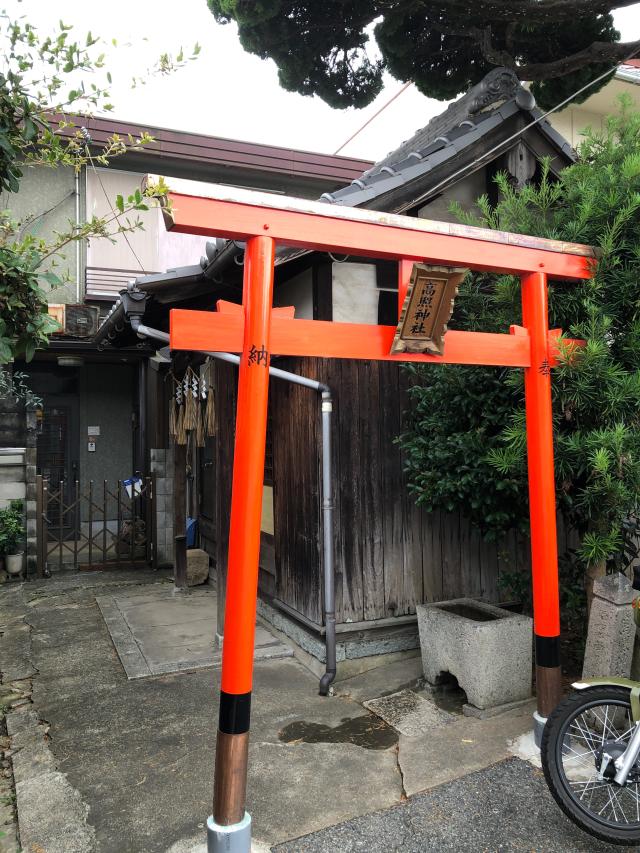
[427, 309]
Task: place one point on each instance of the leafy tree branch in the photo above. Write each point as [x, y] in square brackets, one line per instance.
[444, 47]
[46, 82]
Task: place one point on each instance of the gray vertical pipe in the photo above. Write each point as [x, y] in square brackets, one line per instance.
[327, 548]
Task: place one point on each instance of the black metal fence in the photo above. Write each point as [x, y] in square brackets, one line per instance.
[95, 526]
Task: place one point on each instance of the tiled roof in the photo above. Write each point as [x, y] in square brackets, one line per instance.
[497, 98]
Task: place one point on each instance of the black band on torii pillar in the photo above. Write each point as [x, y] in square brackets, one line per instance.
[547, 651]
[235, 713]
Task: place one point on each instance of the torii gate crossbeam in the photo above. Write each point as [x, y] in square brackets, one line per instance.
[265, 221]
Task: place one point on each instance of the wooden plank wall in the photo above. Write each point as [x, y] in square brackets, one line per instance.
[389, 553]
[225, 383]
[297, 502]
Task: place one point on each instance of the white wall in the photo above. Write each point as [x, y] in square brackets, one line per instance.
[156, 248]
[573, 120]
[355, 295]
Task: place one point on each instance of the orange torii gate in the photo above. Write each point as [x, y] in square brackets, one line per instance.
[265, 221]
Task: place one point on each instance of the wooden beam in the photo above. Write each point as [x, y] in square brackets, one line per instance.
[240, 214]
[212, 331]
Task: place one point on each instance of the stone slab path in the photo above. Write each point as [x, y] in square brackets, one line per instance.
[159, 630]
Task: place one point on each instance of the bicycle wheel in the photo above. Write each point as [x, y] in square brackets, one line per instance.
[577, 734]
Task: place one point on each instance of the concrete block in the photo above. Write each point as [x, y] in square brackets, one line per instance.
[12, 491]
[161, 485]
[12, 474]
[488, 649]
[16, 458]
[409, 713]
[612, 631]
[197, 566]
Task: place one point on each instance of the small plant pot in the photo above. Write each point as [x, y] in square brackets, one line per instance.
[14, 563]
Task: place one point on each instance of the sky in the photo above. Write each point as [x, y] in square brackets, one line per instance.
[227, 92]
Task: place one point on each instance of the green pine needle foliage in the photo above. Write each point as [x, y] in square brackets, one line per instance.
[465, 438]
[340, 50]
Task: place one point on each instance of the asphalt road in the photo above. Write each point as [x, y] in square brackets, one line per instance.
[506, 807]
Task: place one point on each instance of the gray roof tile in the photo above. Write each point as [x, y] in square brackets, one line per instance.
[494, 100]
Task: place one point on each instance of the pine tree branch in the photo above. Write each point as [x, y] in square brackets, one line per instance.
[490, 52]
[530, 11]
[598, 52]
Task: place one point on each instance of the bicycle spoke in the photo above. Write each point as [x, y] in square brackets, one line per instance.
[586, 733]
[619, 804]
[585, 737]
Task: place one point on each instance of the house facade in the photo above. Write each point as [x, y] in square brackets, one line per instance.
[95, 426]
[107, 414]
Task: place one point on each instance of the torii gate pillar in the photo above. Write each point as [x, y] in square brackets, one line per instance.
[542, 502]
[232, 743]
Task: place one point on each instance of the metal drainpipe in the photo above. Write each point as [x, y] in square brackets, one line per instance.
[327, 548]
[327, 493]
[78, 247]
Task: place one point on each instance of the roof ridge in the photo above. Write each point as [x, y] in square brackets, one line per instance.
[497, 98]
[499, 85]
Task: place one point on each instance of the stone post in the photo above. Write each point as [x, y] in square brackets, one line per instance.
[161, 464]
[612, 629]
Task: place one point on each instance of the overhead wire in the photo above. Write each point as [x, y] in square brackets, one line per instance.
[87, 140]
[371, 118]
[479, 161]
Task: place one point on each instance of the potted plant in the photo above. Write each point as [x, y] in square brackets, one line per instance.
[12, 534]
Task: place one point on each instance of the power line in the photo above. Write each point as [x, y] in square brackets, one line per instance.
[87, 140]
[29, 222]
[375, 115]
[516, 135]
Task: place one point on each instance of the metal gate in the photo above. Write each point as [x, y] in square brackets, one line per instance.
[95, 527]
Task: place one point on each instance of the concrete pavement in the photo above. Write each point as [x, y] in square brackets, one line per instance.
[113, 765]
[505, 807]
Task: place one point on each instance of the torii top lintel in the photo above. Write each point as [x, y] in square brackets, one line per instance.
[239, 214]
